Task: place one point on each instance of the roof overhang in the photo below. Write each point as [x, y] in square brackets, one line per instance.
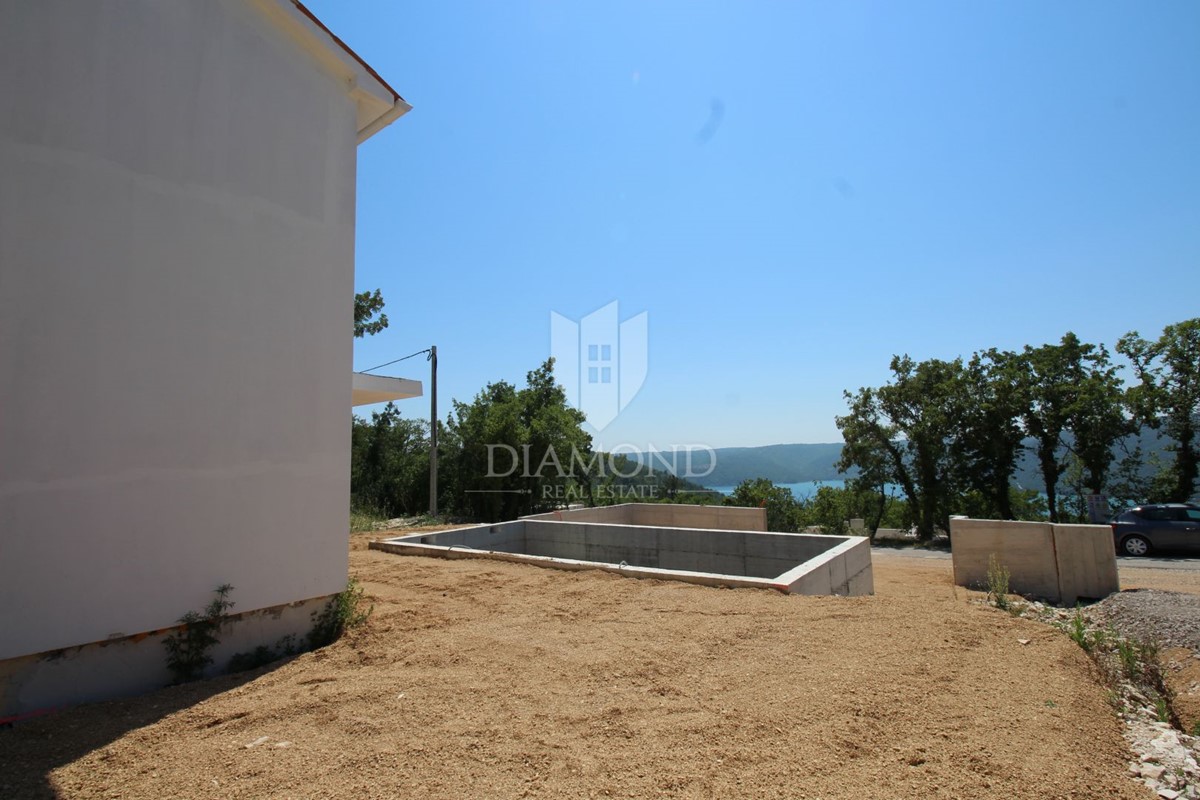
[370, 389]
[378, 104]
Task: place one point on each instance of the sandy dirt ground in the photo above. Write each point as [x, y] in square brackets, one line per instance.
[488, 679]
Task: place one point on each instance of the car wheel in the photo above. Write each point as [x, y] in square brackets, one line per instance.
[1135, 546]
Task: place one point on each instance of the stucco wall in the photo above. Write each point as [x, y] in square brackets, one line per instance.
[176, 273]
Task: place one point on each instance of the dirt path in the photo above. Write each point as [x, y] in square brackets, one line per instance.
[489, 679]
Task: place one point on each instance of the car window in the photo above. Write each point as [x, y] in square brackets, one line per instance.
[1193, 515]
[1154, 514]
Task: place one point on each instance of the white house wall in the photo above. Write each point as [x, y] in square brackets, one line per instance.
[176, 273]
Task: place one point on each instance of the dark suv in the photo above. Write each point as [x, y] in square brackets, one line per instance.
[1157, 526]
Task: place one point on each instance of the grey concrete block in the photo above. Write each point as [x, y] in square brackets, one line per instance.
[1026, 549]
[1087, 562]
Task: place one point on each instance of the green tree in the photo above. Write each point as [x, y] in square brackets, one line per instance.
[1098, 420]
[779, 502]
[389, 464]
[907, 426]
[366, 306]
[513, 452]
[1167, 396]
[988, 442]
[1065, 388]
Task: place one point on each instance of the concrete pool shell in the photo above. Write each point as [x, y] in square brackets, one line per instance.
[687, 545]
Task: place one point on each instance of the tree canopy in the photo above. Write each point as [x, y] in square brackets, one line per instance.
[366, 306]
[1167, 396]
[951, 434]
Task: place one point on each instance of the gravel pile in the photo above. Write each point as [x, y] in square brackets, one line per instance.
[1171, 619]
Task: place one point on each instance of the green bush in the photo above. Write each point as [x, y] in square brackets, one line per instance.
[188, 649]
[343, 611]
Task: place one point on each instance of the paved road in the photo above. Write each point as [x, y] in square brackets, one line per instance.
[1186, 564]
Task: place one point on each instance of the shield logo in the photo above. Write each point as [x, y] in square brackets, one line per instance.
[600, 362]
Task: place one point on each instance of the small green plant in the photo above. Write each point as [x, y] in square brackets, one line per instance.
[1128, 653]
[343, 611]
[1161, 710]
[997, 582]
[1077, 630]
[188, 649]
[1196, 729]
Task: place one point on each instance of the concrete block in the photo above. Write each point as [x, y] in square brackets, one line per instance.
[1087, 562]
[1025, 548]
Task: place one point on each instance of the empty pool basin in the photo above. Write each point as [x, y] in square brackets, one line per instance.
[796, 563]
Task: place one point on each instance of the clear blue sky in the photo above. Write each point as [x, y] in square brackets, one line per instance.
[881, 178]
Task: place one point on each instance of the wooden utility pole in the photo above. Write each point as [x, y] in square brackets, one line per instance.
[433, 431]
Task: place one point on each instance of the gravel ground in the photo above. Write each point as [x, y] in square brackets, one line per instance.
[489, 679]
[1172, 619]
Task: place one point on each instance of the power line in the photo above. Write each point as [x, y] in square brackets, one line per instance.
[398, 360]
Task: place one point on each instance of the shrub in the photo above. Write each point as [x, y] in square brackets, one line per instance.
[343, 611]
[187, 649]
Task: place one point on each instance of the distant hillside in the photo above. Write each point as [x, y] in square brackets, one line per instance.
[798, 463]
[1029, 476]
[779, 463]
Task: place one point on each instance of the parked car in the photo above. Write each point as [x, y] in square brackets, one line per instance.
[1168, 527]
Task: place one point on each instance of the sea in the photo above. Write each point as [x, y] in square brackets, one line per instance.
[801, 491]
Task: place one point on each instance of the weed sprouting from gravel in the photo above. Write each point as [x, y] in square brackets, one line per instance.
[1078, 631]
[1124, 659]
[1127, 652]
[1161, 710]
[997, 582]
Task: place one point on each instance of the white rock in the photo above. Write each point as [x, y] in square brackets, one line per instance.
[1152, 771]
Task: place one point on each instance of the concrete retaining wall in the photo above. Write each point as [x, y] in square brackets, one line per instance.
[795, 563]
[1059, 563]
[671, 515]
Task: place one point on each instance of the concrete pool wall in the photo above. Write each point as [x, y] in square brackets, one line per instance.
[787, 562]
[669, 515]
